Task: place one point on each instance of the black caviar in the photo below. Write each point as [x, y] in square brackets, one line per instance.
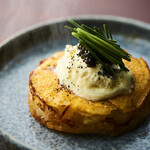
[86, 56]
[91, 61]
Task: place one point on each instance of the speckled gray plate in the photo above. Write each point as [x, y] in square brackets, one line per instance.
[20, 54]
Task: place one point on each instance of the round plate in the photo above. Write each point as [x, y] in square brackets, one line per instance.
[20, 54]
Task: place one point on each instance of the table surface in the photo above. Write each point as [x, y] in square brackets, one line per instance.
[19, 14]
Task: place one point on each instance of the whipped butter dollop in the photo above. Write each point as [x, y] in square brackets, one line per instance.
[89, 82]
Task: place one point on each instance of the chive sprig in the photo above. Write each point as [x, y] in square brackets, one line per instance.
[100, 42]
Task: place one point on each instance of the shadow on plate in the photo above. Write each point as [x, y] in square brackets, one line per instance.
[89, 141]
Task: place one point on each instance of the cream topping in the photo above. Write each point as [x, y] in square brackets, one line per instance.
[89, 82]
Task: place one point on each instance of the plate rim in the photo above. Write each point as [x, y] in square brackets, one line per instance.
[120, 19]
[123, 20]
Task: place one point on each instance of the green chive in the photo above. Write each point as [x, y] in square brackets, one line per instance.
[102, 43]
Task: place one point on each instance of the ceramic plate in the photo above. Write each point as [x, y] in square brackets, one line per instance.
[21, 53]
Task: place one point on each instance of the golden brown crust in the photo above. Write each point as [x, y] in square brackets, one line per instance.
[58, 108]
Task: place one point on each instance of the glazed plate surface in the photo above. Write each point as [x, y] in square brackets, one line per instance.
[21, 53]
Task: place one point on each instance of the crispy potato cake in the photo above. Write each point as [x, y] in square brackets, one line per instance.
[60, 109]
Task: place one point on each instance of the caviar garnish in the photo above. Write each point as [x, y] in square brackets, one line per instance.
[86, 56]
[100, 45]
